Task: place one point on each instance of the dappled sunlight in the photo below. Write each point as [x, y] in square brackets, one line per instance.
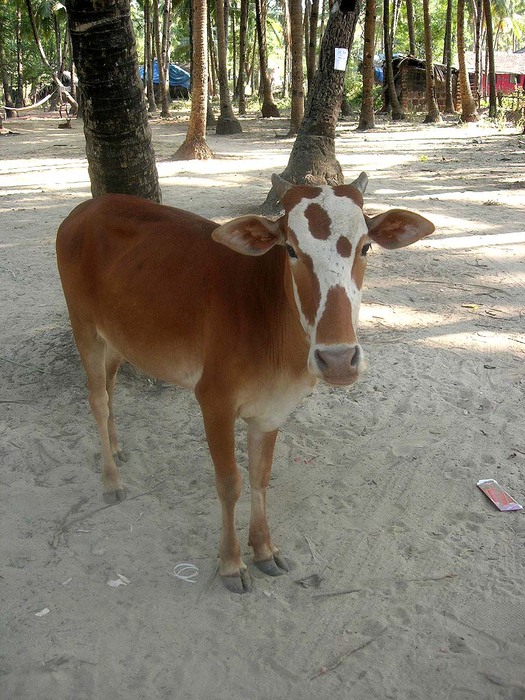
[477, 241]
[460, 331]
[50, 174]
[399, 317]
[478, 341]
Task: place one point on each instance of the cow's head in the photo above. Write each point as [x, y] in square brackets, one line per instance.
[326, 236]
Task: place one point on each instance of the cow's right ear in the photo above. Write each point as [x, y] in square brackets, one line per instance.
[250, 235]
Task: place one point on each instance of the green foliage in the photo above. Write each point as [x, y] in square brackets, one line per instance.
[508, 18]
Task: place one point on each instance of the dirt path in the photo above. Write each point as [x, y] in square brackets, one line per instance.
[419, 579]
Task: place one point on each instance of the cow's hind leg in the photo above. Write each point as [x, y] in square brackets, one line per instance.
[113, 362]
[266, 557]
[100, 363]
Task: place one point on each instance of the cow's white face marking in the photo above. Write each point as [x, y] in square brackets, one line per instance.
[328, 234]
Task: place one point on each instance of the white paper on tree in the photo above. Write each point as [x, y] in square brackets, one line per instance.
[341, 57]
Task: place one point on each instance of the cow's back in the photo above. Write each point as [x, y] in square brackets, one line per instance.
[155, 285]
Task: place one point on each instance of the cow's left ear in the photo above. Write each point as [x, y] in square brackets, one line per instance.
[398, 228]
[250, 235]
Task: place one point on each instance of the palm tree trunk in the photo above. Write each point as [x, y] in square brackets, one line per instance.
[397, 111]
[493, 104]
[447, 60]
[468, 105]
[411, 29]
[241, 80]
[296, 41]
[312, 40]
[433, 115]
[164, 105]
[287, 41]
[312, 159]
[148, 59]
[195, 146]
[226, 123]
[268, 108]
[367, 118]
[118, 138]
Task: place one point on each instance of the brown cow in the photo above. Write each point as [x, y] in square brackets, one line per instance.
[248, 314]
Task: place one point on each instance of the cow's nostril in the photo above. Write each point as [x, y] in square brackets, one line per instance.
[321, 363]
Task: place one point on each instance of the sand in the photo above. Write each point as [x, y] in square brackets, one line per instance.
[407, 583]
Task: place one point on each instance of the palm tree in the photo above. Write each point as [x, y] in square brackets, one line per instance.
[241, 79]
[118, 139]
[493, 105]
[195, 146]
[411, 29]
[366, 118]
[312, 41]
[388, 39]
[269, 108]
[468, 105]
[296, 40]
[433, 115]
[226, 123]
[165, 109]
[447, 60]
[312, 159]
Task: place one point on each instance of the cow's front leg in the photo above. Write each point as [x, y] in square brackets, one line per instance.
[266, 557]
[219, 425]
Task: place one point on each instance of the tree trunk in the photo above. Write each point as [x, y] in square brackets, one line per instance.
[241, 80]
[166, 31]
[397, 112]
[477, 7]
[148, 58]
[164, 105]
[411, 30]
[367, 118]
[296, 41]
[493, 104]
[269, 108]
[433, 115]
[194, 146]
[118, 139]
[447, 60]
[468, 105]
[396, 9]
[234, 50]
[306, 36]
[19, 101]
[226, 123]
[213, 64]
[4, 73]
[312, 159]
[312, 41]
[287, 40]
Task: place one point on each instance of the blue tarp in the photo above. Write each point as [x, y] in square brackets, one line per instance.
[178, 76]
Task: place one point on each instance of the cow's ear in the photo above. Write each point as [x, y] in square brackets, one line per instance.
[398, 228]
[250, 235]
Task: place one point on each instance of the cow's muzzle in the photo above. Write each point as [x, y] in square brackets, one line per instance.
[340, 364]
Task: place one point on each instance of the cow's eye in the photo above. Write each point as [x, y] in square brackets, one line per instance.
[291, 252]
[365, 248]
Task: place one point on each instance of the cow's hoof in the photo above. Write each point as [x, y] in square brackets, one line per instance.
[239, 583]
[114, 496]
[276, 566]
[121, 456]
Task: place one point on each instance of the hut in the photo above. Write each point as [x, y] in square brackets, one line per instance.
[410, 81]
[510, 71]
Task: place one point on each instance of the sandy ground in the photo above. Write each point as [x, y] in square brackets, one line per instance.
[412, 582]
